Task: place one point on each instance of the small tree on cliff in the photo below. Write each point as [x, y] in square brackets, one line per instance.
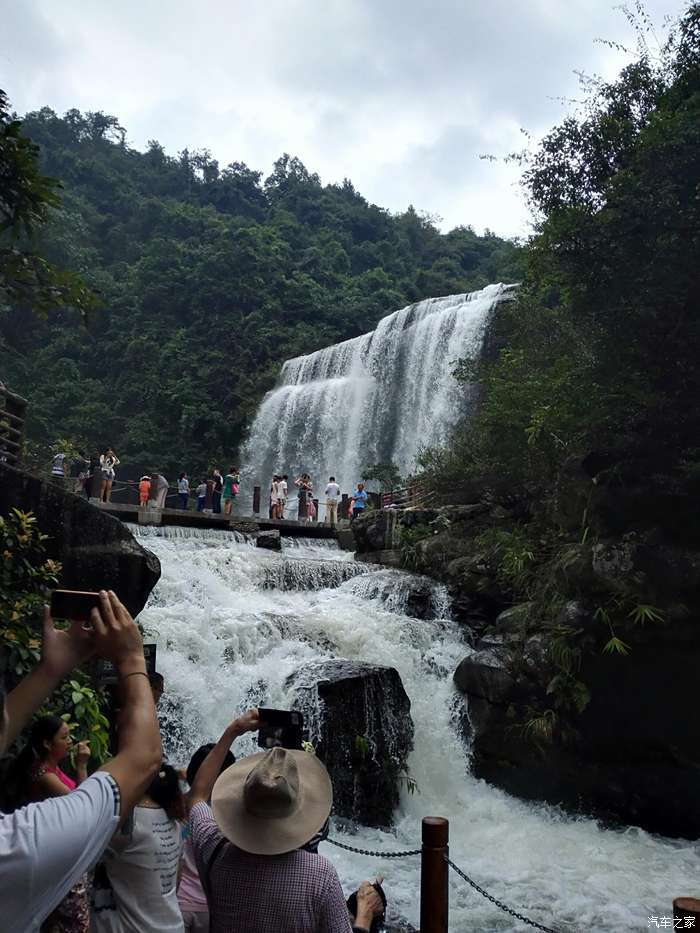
[27, 198]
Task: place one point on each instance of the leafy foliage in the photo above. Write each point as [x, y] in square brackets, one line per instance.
[25, 577]
[27, 197]
[387, 474]
[209, 278]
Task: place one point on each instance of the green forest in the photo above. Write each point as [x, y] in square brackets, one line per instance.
[201, 281]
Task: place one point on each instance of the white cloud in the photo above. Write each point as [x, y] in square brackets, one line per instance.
[401, 97]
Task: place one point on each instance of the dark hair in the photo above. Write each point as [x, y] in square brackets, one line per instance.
[232, 469]
[43, 730]
[165, 790]
[332, 479]
[377, 922]
[155, 679]
[199, 756]
[285, 476]
[183, 475]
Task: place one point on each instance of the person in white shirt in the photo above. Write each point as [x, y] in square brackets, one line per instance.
[135, 884]
[108, 462]
[332, 498]
[282, 492]
[46, 847]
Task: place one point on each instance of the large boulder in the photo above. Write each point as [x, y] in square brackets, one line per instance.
[96, 551]
[359, 719]
[634, 756]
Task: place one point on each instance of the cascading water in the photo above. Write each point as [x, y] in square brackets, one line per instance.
[226, 640]
[373, 399]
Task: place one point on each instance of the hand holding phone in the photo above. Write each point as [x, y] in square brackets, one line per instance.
[280, 728]
[75, 605]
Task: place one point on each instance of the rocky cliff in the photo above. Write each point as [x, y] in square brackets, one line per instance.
[96, 551]
[609, 732]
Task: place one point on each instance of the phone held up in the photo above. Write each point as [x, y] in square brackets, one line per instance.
[280, 728]
[73, 604]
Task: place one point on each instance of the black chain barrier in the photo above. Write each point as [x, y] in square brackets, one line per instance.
[500, 904]
[478, 888]
[341, 845]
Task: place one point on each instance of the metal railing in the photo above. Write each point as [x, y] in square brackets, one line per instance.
[413, 496]
[13, 410]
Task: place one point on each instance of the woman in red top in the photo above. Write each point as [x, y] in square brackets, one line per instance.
[49, 744]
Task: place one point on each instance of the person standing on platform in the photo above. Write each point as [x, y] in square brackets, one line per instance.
[274, 490]
[332, 497]
[230, 489]
[359, 500]
[218, 489]
[144, 490]
[108, 461]
[59, 468]
[201, 496]
[305, 487]
[159, 489]
[183, 491]
[283, 490]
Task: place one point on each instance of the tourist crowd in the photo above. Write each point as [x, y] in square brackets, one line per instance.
[306, 509]
[213, 491]
[227, 846]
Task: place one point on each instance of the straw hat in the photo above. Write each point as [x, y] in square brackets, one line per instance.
[272, 802]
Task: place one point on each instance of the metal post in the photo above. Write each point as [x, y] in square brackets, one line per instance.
[315, 502]
[687, 908]
[344, 506]
[256, 500]
[434, 891]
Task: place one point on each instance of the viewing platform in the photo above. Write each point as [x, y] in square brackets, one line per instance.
[128, 512]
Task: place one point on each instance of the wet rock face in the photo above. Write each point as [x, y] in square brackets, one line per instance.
[634, 757]
[270, 540]
[95, 549]
[359, 718]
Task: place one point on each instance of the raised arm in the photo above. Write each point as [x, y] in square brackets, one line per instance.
[118, 639]
[211, 766]
[61, 652]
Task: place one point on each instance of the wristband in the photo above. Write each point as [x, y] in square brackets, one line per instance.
[134, 674]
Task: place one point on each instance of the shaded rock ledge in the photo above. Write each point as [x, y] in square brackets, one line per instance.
[96, 550]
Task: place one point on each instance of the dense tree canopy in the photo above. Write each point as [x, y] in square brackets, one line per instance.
[208, 278]
[600, 350]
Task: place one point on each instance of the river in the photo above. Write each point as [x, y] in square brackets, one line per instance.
[232, 622]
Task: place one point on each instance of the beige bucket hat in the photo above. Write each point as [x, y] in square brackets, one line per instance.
[272, 802]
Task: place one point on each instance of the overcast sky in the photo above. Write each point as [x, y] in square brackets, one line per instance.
[400, 96]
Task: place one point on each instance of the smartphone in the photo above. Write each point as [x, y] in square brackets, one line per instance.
[73, 604]
[280, 728]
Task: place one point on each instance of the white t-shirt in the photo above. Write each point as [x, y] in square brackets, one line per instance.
[46, 848]
[332, 491]
[142, 872]
[58, 468]
[274, 491]
[282, 489]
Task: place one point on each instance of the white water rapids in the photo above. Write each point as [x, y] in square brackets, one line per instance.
[227, 640]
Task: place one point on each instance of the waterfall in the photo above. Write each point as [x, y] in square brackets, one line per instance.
[227, 640]
[375, 398]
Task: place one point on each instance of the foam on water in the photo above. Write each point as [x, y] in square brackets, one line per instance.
[226, 642]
